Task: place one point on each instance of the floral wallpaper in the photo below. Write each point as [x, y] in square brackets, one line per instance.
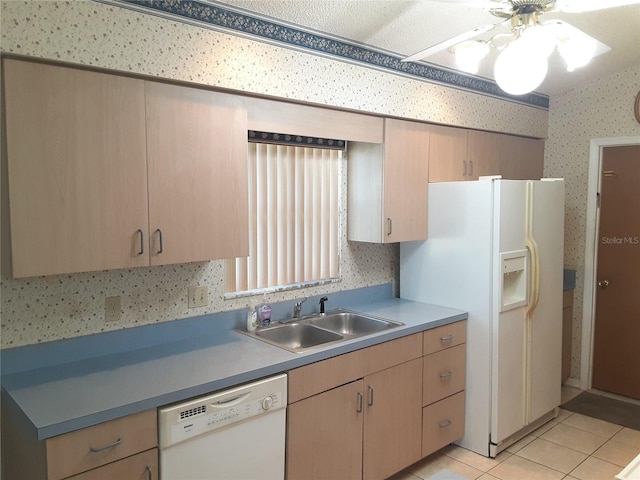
[107, 36]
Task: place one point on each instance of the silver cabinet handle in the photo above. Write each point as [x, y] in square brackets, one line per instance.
[159, 232]
[444, 376]
[370, 400]
[464, 163]
[471, 169]
[360, 402]
[603, 283]
[147, 470]
[447, 339]
[389, 226]
[101, 449]
[141, 233]
[445, 424]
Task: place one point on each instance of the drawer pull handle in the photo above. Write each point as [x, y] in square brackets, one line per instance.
[445, 424]
[447, 339]
[101, 449]
[159, 232]
[147, 470]
[370, 401]
[360, 402]
[141, 251]
[444, 376]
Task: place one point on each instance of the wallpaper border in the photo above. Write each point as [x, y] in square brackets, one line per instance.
[214, 16]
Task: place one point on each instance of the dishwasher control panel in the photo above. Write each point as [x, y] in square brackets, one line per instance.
[219, 410]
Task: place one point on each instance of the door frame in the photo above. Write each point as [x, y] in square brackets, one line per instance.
[591, 251]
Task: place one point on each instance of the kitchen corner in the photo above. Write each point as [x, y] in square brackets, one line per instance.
[76, 383]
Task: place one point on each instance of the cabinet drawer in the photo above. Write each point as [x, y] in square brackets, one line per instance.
[95, 446]
[442, 423]
[443, 374]
[143, 466]
[444, 337]
[333, 372]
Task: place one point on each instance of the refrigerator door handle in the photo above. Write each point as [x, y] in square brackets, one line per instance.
[534, 256]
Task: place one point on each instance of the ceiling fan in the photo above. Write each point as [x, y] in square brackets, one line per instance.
[522, 63]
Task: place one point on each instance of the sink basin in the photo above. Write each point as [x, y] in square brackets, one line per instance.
[297, 336]
[351, 323]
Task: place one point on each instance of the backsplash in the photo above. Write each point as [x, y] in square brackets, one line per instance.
[95, 34]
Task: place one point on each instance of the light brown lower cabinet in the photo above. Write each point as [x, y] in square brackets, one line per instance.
[368, 425]
[443, 396]
[442, 423]
[371, 413]
[122, 449]
[143, 466]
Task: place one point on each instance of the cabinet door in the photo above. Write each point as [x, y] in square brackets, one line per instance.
[143, 466]
[530, 161]
[406, 176]
[393, 419]
[447, 154]
[197, 160]
[324, 435]
[483, 154]
[77, 169]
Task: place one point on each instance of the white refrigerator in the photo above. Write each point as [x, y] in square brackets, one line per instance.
[495, 249]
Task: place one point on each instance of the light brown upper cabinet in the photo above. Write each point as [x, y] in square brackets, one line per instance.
[100, 166]
[387, 185]
[197, 160]
[458, 154]
[76, 152]
[448, 154]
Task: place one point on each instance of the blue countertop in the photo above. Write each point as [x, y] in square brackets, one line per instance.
[72, 384]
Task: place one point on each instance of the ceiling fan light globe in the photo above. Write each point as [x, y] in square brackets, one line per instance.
[469, 54]
[519, 69]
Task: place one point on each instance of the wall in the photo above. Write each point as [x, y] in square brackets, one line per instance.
[601, 109]
[90, 33]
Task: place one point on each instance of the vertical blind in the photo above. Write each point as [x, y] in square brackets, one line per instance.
[293, 218]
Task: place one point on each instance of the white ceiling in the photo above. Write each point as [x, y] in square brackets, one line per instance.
[404, 27]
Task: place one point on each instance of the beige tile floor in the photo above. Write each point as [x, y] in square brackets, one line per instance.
[572, 446]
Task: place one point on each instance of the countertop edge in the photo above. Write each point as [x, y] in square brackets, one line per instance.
[391, 309]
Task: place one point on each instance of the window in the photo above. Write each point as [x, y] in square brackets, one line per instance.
[294, 197]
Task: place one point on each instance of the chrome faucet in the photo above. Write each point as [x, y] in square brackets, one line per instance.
[297, 308]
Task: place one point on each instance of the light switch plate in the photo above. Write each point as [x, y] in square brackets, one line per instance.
[112, 309]
[198, 296]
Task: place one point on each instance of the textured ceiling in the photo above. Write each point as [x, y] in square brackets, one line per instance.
[405, 27]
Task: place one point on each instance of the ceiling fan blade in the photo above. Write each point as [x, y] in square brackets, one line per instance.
[579, 6]
[450, 42]
[474, 3]
[567, 29]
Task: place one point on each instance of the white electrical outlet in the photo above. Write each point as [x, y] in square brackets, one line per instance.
[198, 296]
[112, 309]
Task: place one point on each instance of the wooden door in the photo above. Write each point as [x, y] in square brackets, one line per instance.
[77, 169]
[393, 420]
[447, 154]
[197, 156]
[324, 435]
[406, 176]
[616, 367]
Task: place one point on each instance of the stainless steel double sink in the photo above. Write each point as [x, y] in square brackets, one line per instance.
[299, 335]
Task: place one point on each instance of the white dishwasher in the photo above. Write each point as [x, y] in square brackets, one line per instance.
[236, 434]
